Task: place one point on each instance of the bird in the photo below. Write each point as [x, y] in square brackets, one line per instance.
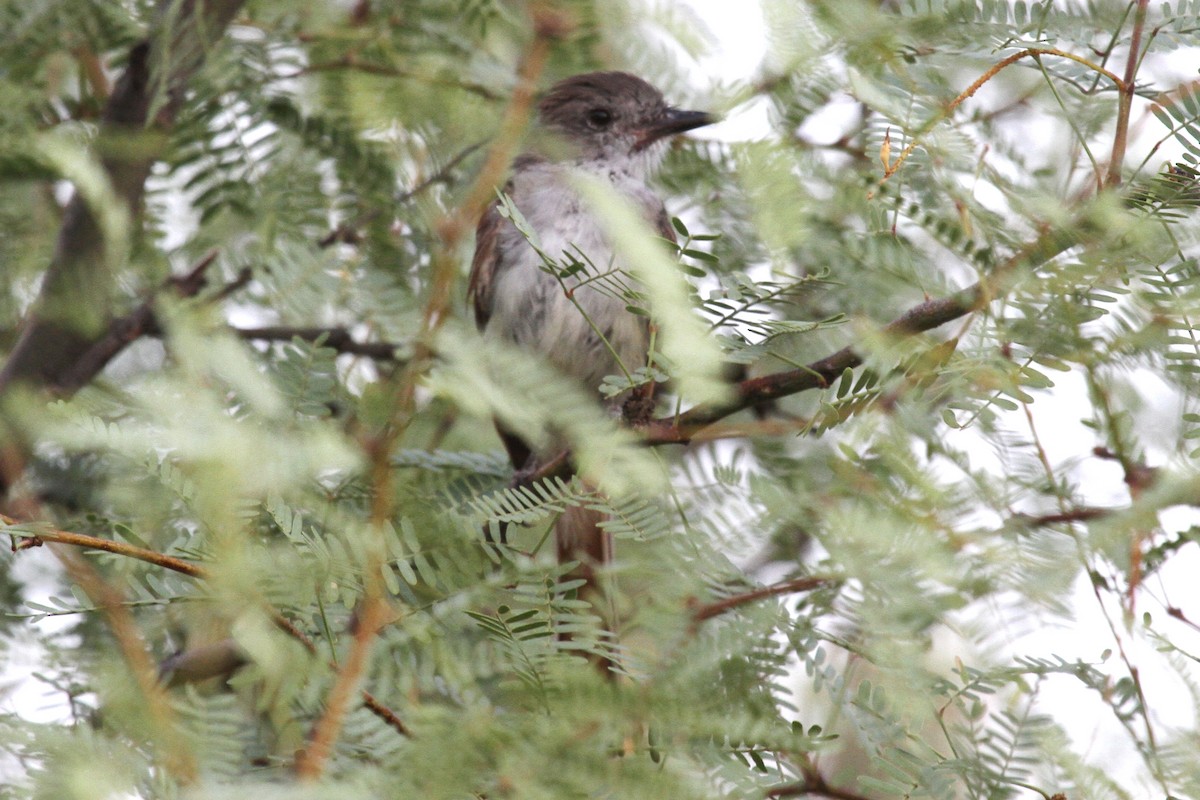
[615, 127]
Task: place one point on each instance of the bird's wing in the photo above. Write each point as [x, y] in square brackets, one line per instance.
[485, 264]
[662, 225]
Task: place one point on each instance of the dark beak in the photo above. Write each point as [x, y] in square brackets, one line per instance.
[670, 123]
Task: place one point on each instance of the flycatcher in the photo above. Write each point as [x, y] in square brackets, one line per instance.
[615, 126]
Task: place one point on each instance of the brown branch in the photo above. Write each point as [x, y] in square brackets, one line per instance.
[814, 784]
[73, 309]
[748, 429]
[372, 615]
[125, 330]
[891, 168]
[819, 374]
[244, 276]
[163, 735]
[680, 429]
[707, 611]
[35, 535]
[93, 71]
[1125, 104]
[338, 339]
[452, 228]
[386, 714]
[548, 26]
[375, 611]
[1074, 515]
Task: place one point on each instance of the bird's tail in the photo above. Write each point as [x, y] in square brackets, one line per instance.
[579, 537]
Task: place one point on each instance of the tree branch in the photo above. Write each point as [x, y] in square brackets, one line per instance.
[164, 736]
[338, 339]
[35, 535]
[707, 611]
[1125, 104]
[347, 233]
[1073, 515]
[74, 308]
[373, 614]
[681, 428]
[817, 375]
[814, 784]
[890, 167]
[125, 330]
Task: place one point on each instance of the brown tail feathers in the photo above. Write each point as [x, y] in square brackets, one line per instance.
[579, 537]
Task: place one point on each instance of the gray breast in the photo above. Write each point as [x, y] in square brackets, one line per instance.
[583, 335]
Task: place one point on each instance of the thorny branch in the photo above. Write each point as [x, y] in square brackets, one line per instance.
[1125, 104]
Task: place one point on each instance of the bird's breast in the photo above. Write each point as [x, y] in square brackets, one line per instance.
[578, 318]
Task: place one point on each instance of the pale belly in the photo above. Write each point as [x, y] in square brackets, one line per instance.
[587, 335]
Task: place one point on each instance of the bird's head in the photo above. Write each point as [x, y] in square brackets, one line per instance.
[614, 116]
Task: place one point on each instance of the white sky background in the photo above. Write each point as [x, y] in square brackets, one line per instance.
[739, 45]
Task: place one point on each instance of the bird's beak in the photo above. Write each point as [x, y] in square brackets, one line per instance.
[674, 121]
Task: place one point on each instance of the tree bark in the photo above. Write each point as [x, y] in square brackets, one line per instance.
[76, 301]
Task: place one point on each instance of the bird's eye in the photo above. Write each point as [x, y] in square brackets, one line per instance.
[599, 118]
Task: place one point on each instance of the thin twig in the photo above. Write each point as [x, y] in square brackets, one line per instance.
[700, 613]
[373, 614]
[347, 231]
[36, 535]
[1034, 52]
[442, 175]
[454, 226]
[338, 339]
